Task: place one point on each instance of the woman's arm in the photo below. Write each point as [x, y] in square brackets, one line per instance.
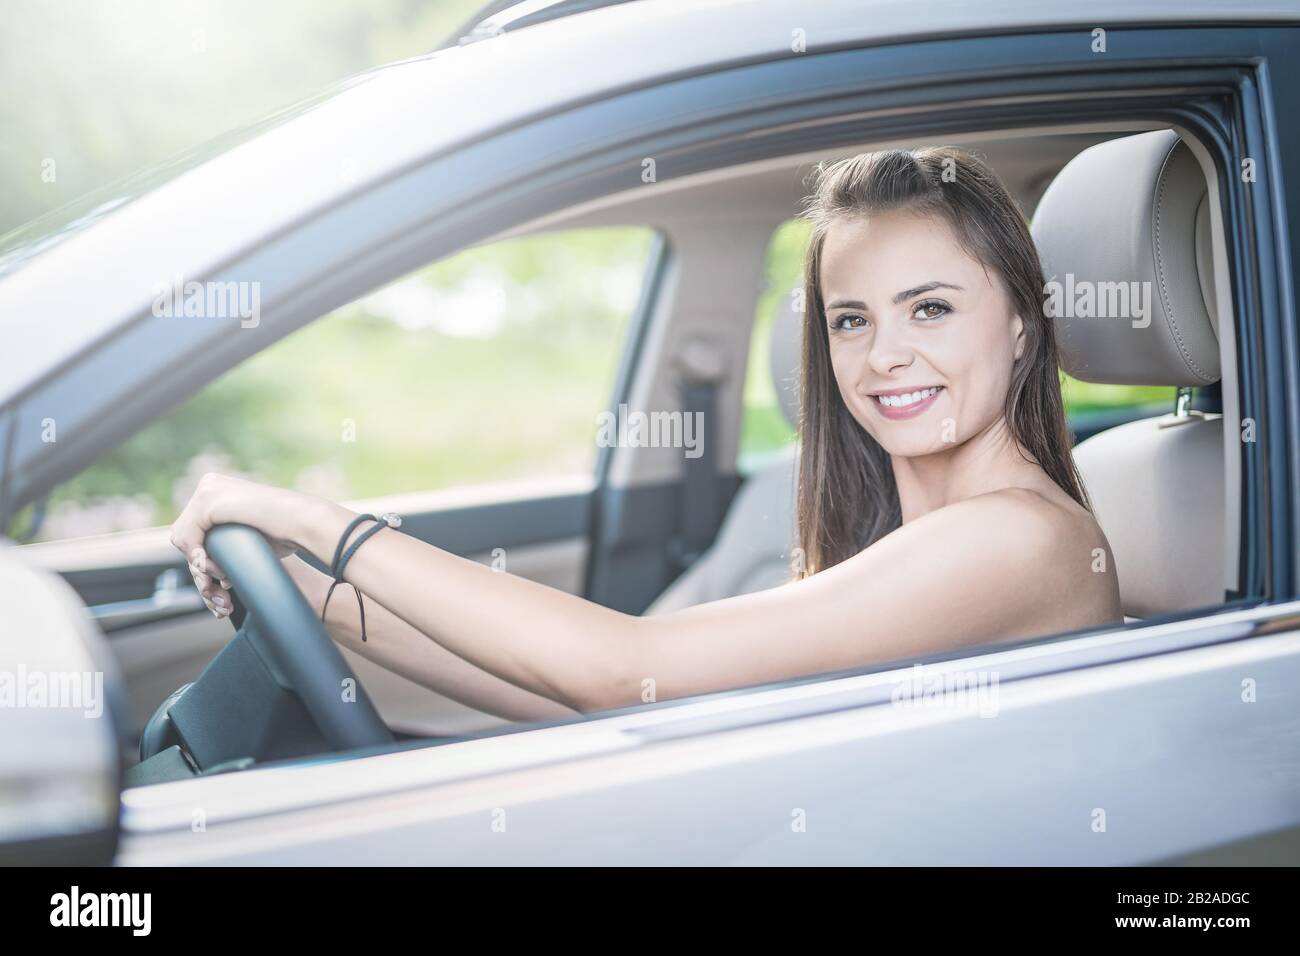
[550, 642]
[394, 644]
[982, 570]
[990, 568]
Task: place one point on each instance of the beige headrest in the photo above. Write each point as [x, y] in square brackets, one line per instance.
[1124, 235]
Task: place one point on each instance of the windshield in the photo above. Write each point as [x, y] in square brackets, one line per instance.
[44, 232]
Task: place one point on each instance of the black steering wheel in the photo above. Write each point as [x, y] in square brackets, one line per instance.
[290, 632]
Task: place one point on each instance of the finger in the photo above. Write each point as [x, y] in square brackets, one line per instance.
[220, 613]
[202, 561]
[215, 572]
[202, 580]
[208, 575]
[219, 605]
[217, 599]
[213, 592]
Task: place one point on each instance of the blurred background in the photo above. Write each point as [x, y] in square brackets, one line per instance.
[415, 387]
[106, 88]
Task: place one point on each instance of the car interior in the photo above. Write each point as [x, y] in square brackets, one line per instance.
[1160, 482]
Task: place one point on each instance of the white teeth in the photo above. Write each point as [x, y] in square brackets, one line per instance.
[911, 398]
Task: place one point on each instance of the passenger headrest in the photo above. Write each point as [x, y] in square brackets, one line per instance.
[1124, 236]
[784, 355]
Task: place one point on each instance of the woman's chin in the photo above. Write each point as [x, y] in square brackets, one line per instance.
[913, 443]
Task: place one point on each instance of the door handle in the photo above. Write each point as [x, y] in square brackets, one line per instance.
[169, 599]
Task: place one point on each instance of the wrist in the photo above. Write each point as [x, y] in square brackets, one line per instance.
[319, 527]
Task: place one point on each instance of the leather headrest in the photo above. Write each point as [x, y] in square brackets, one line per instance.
[1124, 236]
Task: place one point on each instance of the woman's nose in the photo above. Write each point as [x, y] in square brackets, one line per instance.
[889, 350]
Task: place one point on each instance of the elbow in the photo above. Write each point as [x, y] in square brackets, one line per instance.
[613, 679]
[602, 695]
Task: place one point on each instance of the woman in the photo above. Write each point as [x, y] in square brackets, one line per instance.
[938, 503]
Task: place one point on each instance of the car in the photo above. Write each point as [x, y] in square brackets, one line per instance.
[1149, 142]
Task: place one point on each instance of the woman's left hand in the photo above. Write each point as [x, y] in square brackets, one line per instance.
[278, 513]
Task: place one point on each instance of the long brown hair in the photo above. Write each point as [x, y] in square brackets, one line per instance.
[847, 496]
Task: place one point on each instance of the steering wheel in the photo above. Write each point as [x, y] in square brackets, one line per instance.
[309, 660]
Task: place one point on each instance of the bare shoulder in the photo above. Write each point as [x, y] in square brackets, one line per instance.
[1049, 549]
[1032, 523]
[1047, 518]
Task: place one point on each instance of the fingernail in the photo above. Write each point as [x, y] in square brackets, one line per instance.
[225, 584]
[218, 600]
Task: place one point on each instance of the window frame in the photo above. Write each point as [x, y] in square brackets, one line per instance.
[1220, 103]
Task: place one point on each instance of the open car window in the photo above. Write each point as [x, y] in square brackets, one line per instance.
[491, 365]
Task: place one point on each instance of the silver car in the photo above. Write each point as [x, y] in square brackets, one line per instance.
[135, 729]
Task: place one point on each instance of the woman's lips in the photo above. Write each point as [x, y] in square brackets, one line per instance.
[900, 411]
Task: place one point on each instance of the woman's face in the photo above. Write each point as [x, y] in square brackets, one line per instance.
[922, 338]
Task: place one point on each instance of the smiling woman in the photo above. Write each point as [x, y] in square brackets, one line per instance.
[934, 461]
[936, 344]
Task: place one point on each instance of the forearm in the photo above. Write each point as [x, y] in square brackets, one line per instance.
[543, 640]
[396, 645]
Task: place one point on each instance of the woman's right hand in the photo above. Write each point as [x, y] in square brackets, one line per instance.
[283, 516]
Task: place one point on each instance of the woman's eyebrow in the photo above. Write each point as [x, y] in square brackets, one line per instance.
[901, 297]
[927, 287]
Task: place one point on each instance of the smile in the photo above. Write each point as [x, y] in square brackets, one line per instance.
[905, 404]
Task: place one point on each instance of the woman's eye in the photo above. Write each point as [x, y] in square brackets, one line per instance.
[849, 322]
[931, 309]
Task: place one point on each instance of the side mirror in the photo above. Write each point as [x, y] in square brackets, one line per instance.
[60, 739]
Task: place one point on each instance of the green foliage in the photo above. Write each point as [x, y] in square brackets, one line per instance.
[358, 405]
[764, 428]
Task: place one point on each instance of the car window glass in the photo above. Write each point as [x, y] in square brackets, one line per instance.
[764, 430]
[490, 365]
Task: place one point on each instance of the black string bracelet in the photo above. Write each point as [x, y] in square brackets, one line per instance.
[341, 558]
